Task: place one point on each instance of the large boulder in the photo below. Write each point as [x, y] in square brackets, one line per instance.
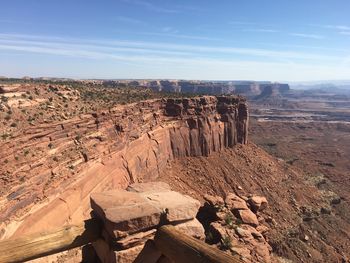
[234, 202]
[175, 206]
[125, 212]
[214, 201]
[257, 203]
[248, 217]
[192, 228]
[148, 187]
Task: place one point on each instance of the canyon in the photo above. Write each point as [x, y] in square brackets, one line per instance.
[62, 142]
[51, 168]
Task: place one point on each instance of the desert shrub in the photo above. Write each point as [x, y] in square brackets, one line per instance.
[5, 136]
[226, 242]
[239, 222]
[229, 219]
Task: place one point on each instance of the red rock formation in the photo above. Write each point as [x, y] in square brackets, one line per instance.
[107, 150]
[207, 124]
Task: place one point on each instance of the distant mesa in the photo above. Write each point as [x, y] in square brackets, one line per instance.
[250, 89]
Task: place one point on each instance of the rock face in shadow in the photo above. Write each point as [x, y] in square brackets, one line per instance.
[108, 150]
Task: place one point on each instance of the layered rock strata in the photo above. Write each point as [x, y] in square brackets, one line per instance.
[67, 160]
[131, 218]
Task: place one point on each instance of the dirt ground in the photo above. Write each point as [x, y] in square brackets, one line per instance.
[303, 170]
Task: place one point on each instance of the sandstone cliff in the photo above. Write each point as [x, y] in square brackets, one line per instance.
[250, 89]
[68, 160]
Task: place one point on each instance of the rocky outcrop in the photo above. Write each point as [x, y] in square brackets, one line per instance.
[250, 89]
[130, 220]
[59, 164]
[207, 125]
[237, 226]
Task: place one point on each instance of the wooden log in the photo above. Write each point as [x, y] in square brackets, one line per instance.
[179, 247]
[47, 243]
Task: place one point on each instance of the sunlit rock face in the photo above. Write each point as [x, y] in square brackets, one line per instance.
[111, 149]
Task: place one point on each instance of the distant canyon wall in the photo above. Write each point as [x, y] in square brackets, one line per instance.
[249, 89]
[111, 149]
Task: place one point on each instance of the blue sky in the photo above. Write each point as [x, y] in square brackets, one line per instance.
[277, 40]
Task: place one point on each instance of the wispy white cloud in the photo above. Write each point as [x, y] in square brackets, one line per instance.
[338, 27]
[129, 20]
[168, 29]
[175, 34]
[152, 7]
[235, 22]
[137, 59]
[153, 50]
[313, 36]
[261, 30]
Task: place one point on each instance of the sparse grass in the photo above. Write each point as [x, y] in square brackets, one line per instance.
[229, 219]
[209, 237]
[5, 136]
[30, 119]
[226, 242]
[239, 222]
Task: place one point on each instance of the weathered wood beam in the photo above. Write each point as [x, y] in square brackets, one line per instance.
[48, 243]
[179, 247]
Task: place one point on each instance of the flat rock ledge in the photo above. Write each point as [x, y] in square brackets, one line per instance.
[132, 216]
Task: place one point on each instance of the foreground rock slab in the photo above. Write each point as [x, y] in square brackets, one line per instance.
[176, 207]
[125, 212]
[131, 218]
